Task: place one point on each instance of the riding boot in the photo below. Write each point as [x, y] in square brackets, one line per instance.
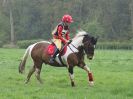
[53, 58]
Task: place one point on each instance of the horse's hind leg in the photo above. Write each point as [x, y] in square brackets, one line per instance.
[32, 70]
[38, 71]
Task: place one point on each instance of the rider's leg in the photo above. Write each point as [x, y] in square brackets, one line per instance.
[56, 50]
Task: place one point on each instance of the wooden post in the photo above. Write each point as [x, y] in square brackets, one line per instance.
[8, 4]
[12, 28]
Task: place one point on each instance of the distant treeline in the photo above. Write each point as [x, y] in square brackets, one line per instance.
[35, 19]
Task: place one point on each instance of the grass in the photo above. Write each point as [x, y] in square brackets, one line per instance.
[112, 70]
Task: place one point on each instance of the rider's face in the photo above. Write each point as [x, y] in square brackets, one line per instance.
[66, 23]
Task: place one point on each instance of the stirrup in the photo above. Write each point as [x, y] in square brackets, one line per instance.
[51, 60]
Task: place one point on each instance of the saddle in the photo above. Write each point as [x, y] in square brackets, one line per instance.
[51, 47]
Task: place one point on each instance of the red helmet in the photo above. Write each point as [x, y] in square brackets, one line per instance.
[67, 18]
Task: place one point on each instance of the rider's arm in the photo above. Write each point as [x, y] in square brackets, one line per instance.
[60, 28]
[67, 36]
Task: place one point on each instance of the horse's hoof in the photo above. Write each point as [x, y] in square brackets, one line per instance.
[91, 83]
[73, 84]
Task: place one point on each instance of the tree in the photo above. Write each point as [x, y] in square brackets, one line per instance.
[8, 5]
[35, 19]
[131, 9]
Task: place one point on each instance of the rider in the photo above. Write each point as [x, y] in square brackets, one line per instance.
[61, 34]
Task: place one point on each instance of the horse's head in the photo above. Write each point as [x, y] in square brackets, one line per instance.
[86, 41]
[89, 43]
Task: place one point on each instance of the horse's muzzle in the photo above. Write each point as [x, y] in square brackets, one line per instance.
[90, 57]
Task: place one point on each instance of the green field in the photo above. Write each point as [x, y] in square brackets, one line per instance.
[113, 75]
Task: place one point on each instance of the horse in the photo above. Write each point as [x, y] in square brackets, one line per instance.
[82, 44]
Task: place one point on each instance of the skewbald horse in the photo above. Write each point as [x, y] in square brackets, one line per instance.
[81, 44]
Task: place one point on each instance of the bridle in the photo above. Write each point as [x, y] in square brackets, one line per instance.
[88, 43]
[76, 47]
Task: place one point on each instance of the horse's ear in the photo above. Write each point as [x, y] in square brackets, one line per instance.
[94, 40]
[85, 35]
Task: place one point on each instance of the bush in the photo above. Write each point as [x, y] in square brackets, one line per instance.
[10, 46]
[26, 43]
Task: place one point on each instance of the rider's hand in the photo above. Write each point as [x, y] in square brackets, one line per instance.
[69, 41]
[66, 41]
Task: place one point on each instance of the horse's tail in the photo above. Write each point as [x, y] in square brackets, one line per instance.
[23, 60]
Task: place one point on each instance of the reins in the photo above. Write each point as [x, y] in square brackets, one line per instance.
[69, 47]
[74, 46]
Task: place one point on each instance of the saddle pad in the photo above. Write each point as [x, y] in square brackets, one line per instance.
[50, 49]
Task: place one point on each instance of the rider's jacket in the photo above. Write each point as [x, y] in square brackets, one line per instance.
[61, 32]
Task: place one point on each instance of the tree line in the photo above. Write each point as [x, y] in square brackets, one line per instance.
[35, 19]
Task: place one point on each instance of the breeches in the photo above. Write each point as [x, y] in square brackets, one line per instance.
[57, 42]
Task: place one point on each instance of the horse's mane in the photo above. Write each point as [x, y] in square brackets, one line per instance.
[81, 33]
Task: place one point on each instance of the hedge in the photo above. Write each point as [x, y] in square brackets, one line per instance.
[115, 45]
[100, 45]
[26, 43]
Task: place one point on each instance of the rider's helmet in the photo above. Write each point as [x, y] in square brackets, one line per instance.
[67, 18]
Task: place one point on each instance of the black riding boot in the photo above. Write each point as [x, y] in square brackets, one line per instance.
[53, 58]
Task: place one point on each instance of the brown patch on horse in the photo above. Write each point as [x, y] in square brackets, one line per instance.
[39, 53]
[81, 55]
[72, 59]
[77, 59]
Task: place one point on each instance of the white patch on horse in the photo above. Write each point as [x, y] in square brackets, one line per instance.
[76, 41]
[70, 49]
[79, 38]
[72, 76]
[31, 48]
[87, 68]
[80, 33]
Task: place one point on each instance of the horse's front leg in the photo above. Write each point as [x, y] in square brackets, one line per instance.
[90, 76]
[71, 75]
